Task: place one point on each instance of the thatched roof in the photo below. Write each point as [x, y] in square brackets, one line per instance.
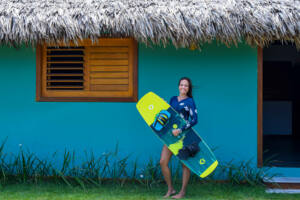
[183, 22]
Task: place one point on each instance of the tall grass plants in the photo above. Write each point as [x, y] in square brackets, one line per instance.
[26, 167]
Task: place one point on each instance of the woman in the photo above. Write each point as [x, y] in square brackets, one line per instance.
[183, 104]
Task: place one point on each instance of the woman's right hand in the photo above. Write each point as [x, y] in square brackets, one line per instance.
[176, 132]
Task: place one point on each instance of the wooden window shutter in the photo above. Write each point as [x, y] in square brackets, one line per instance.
[105, 71]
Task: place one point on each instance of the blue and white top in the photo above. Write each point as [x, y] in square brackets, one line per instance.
[187, 110]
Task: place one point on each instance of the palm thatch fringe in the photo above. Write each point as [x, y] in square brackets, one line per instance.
[182, 22]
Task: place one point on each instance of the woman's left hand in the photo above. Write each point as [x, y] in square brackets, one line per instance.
[176, 132]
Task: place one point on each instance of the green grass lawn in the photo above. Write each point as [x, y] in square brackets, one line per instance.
[205, 191]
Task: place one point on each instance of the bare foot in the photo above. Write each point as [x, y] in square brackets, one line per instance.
[169, 193]
[180, 195]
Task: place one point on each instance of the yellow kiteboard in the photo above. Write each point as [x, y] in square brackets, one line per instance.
[189, 147]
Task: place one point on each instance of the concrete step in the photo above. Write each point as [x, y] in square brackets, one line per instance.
[283, 180]
[289, 185]
[284, 191]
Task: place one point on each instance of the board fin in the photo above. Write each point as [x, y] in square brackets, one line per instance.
[209, 170]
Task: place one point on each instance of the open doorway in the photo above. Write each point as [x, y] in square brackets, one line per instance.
[281, 105]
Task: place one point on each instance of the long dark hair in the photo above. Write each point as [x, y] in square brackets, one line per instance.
[190, 92]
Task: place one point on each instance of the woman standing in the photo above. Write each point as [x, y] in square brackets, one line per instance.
[185, 106]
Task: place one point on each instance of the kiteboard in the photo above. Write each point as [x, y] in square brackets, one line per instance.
[188, 146]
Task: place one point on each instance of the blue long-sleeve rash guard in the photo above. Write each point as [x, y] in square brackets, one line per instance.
[187, 110]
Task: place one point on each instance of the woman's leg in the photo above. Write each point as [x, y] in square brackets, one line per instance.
[185, 179]
[165, 157]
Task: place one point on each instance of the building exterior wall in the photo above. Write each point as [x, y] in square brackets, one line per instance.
[225, 93]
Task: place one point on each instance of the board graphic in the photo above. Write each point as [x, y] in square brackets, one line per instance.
[188, 146]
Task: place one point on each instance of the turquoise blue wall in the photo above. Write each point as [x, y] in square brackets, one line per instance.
[225, 92]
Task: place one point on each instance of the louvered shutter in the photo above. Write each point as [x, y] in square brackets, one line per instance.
[64, 68]
[103, 70]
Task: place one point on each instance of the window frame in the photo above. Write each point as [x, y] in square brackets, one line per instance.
[39, 69]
